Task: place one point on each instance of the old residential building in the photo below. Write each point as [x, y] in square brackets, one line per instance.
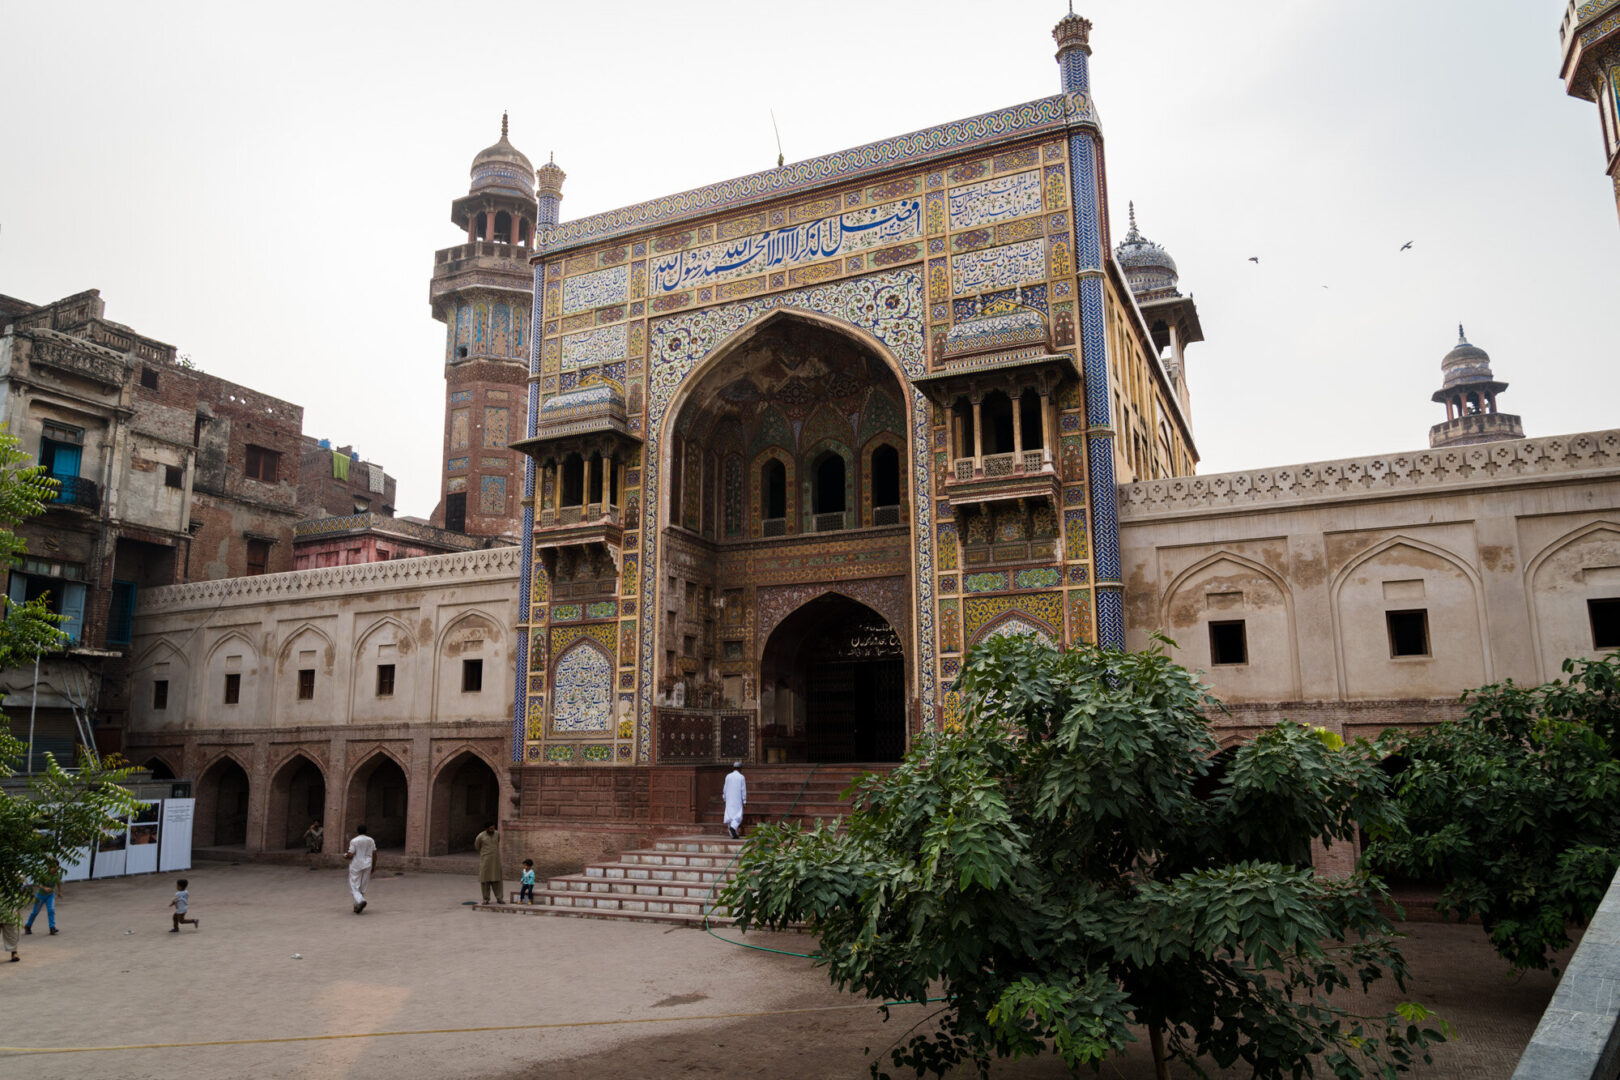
[166, 474]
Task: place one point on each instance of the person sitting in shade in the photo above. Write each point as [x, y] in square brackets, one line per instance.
[735, 794]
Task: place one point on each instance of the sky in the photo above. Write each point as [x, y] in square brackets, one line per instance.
[264, 186]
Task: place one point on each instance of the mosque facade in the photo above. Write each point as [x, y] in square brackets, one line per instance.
[779, 451]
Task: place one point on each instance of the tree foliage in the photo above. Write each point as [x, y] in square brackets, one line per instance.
[1072, 865]
[1515, 808]
[61, 812]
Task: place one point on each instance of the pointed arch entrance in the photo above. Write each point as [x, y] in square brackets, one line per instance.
[222, 805]
[297, 797]
[466, 797]
[834, 685]
[378, 798]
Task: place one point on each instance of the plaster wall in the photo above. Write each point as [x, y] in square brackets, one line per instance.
[1499, 545]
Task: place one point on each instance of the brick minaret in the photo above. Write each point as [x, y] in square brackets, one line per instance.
[483, 292]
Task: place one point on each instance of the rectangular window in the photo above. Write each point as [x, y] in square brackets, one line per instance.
[1228, 642]
[472, 676]
[160, 693]
[62, 596]
[1605, 616]
[385, 680]
[149, 378]
[233, 687]
[174, 476]
[306, 684]
[258, 556]
[1408, 632]
[261, 464]
[455, 511]
[61, 447]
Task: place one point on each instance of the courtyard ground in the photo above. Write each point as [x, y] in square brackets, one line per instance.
[575, 997]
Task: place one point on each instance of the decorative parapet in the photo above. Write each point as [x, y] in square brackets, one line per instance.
[465, 567]
[1420, 472]
[75, 355]
[382, 523]
[1043, 116]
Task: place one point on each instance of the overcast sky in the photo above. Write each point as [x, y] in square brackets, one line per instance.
[264, 187]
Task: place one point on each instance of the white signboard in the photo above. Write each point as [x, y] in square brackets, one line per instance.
[174, 845]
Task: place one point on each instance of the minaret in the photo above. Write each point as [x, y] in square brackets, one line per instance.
[1468, 391]
[483, 292]
[1171, 317]
[1073, 37]
[1590, 36]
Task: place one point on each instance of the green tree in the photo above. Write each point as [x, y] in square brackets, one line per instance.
[61, 812]
[1073, 863]
[1515, 808]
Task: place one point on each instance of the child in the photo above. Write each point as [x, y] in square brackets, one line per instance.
[526, 893]
[182, 901]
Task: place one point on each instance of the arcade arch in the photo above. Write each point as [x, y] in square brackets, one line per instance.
[297, 797]
[222, 805]
[465, 798]
[378, 798]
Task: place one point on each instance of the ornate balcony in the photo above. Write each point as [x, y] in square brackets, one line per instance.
[76, 491]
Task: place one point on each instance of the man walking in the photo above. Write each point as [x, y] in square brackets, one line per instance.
[488, 845]
[736, 794]
[362, 851]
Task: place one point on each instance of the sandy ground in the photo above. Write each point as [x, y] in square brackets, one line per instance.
[418, 959]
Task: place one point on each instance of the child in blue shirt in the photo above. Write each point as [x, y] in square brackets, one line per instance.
[526, 893]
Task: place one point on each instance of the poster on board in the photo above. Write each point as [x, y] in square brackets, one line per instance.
[174, 842]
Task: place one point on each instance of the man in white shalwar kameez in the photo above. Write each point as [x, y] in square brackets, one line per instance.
[736, 794]
[362, 851]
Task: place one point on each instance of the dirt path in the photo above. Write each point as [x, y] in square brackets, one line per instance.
[629, 1000]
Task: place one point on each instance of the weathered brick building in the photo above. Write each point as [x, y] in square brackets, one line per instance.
[166, 474]
[334, 481]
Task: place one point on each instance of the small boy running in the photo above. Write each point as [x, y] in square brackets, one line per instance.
[180, 903]
[526, 892]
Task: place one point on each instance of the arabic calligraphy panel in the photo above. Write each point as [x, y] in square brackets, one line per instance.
[996, 200]
[593, 347]
[998, 268]
[857, 230]
[610, 286]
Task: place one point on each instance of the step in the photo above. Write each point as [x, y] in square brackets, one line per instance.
[664, 918]
[606, 902]
[588, 883]
[642, 872]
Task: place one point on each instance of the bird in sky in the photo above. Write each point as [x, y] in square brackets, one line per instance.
[1254, 258]
[1407, 246]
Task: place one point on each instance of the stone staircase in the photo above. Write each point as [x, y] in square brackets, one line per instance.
[798, 793]
[670, 882]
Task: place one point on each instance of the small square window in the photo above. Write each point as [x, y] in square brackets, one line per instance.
[472, 676]
[1228, 642]
[306, 684]
[1605, 616]
[149, 378]
[233, 687]
[174, 476]
[160, 693]
[261, 464]
[385, 680]
[1408, 632]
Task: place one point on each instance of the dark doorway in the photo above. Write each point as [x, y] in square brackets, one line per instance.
[297, 797]
[836, 672]
[466, 797]
[377, 799]
[226, 786]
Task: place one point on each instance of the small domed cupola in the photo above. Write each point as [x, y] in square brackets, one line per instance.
[1149, 269]
[502, 168]
[1468, 390]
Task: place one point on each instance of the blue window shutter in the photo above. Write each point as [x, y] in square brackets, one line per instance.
[17, 588]
[73, 610]
[66, 461]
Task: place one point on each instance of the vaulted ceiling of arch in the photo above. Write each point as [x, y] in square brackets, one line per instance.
[789, 369]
